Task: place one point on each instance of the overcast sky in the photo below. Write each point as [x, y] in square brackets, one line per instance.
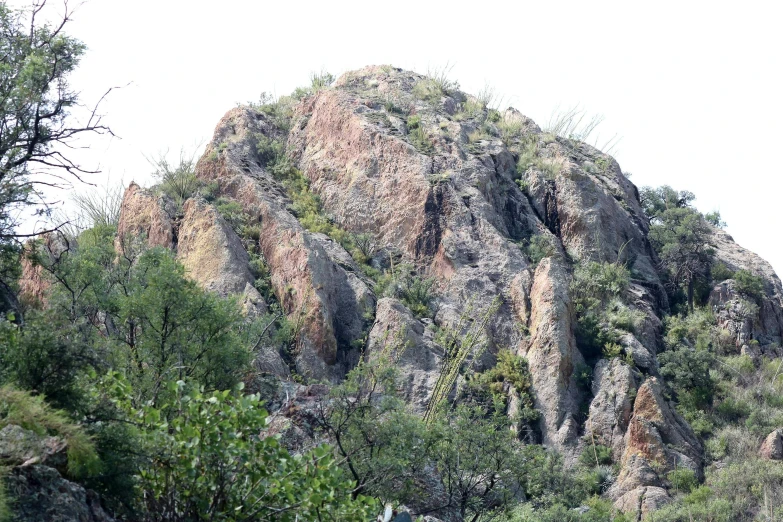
[695, 89]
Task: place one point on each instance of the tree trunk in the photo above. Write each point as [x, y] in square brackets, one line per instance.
[690, 295]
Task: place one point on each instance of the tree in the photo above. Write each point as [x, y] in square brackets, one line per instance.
[680, 236]
[136, 313]
[36, 122]
[209, 458]
[655, 201]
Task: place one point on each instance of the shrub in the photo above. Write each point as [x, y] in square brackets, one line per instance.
[210, 459]
[595, 455]
[713, 218]
[682, 480]
[687, 371]
[749, 284]
[418, 135]
[719, 272]
[179, 182]
[32, 413]
[538, 247]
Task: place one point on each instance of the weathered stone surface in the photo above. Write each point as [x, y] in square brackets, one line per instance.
[397, 333]
[40, 493]
[19, 446]
[314, 291]
[772, 447]
[614, 386]
[36, 489]
[552, 355]
[143, 214]
[643, 500]
[658, 440]
[211, 251]
[768, 327]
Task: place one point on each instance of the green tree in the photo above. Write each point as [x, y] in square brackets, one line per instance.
[210, 458]
[680, 236]
[36, 124]
[138, 313]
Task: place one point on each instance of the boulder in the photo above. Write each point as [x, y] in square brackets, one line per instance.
[772, 447]
[36, 488]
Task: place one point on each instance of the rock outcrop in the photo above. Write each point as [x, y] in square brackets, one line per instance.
[552, 356]
[34, 482]
[211, 251]
[658, 440]
[493, 211]
[145, 215]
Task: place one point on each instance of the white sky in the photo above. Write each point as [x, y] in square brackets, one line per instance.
[695, 89]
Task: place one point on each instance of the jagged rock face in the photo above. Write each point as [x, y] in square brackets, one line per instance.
[552, 356]
[315, 290]
[143, 214]
[767, 326]
[398, 333]
[658, 440]
[211, 251]
[614, 390]
[451, 206]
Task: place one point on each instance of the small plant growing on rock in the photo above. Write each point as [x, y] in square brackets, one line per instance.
[417, 135]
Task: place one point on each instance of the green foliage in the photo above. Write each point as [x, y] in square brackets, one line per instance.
[511, 371]
[389, 451]
[37, 130]
[687, 371]
[739, 492]
[155, 323]
[656, 201]
[232, 212]
[32, 413]
[598, 290]
[720, 272]
[417, 134]
[749, 284]
[460, 341]
[595, 455]
[538, 247]
[210, 459]
[682, 480]
[680, 235]
[406, 285]
[179, 182]
[714, 219]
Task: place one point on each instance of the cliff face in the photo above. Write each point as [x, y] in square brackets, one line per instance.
[430, 178]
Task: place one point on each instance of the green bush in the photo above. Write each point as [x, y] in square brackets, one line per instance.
[595, 455]
[749, 284]
[210, 459]
[687, 371]
[414, 291]
[720, 272]
[179, 182]
[32, 413]
[682, 480]
[418, 135]
[538, 247]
